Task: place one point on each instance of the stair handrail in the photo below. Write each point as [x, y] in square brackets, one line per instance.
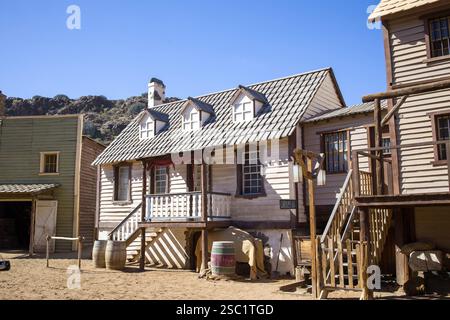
[336, 206]
[125, 220]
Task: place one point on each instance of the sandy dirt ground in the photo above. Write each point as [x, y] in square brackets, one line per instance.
[29, 278]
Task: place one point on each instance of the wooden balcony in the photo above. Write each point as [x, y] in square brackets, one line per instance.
[380, 183]
[187, 207]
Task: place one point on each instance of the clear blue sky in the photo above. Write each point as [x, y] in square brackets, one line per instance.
[195, 47]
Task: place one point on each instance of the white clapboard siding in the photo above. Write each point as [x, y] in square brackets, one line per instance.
[326, 99]
[276, 184]
[178, 179]
[111, 213]
[408, 51]
[408, 47]
[326, 195]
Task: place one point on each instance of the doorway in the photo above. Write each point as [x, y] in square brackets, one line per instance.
[15, 221]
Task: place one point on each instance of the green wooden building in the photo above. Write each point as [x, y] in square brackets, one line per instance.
[47, 183]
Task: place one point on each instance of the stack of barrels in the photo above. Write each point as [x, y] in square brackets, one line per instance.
[109, 254]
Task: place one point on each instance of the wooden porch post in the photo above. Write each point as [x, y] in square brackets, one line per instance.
[378, 144]
[312, 231]
[143, 214]
[204, 218]
[32, 223]
[365, 249]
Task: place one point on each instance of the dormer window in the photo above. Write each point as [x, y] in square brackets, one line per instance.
[247, 104]
[152, 122]
[147, 128]
[195, 114]
[243, 111]
[191, 119]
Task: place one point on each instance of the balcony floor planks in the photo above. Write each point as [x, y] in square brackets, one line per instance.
[185, 224]
[405, 200]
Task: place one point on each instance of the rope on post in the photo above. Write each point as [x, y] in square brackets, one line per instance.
[79, 240]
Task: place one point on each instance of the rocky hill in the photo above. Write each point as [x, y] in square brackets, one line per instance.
[104, 118]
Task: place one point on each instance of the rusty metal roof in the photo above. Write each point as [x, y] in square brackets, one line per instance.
[287, 100]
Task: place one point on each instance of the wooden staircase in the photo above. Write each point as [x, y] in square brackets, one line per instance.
[341, 257]
[127, 230]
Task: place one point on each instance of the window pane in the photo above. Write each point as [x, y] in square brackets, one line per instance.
[252, 180]
[50, 163]
[335, 148]
[160, 180]
[123, 184]
[439, 34]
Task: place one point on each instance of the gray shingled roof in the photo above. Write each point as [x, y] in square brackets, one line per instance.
[202, 105]
[254, 94]
[343, 112]
[288, 98]
[158, 115]
[26, 188]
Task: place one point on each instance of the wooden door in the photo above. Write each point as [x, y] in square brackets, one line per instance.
[45, 224]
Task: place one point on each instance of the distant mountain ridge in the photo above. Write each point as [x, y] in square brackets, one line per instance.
[104, 118]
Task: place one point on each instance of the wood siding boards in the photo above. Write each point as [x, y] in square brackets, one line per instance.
[433, 224]
[88, 191]
[21, 141]
[408, 59]
[357, 125]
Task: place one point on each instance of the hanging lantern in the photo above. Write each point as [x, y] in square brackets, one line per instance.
[321, 178]
[297, 173]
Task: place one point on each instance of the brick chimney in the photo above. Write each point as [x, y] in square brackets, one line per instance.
[156, 92]
[2, 104]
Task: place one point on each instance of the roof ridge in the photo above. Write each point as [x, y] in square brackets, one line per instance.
[249, 85]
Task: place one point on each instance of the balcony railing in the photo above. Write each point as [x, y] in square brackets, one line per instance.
[187, 206]
[365, 179]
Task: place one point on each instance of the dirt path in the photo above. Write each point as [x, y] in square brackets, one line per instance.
[30, 279]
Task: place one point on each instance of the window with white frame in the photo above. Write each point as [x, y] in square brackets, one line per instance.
[161, 180]
[243, 111]
[122, 185]
[191, 120]
[147, 128]
[252, 182]
[49, 163]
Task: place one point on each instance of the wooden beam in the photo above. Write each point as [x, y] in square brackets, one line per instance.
[423, 88]
[144, 190]
[393, 110]
[142, 251]
[401, 261]
[204, 186]
[32, 225]
[378, 144]
[312, 231]
[448, 162]
[204, 251]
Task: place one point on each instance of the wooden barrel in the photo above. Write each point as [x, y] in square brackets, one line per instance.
[223, 259]
[98, 253]
[115, 255]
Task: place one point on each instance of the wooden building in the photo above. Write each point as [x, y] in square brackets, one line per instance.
[403, 196]
[47, 183]
[174, 172]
